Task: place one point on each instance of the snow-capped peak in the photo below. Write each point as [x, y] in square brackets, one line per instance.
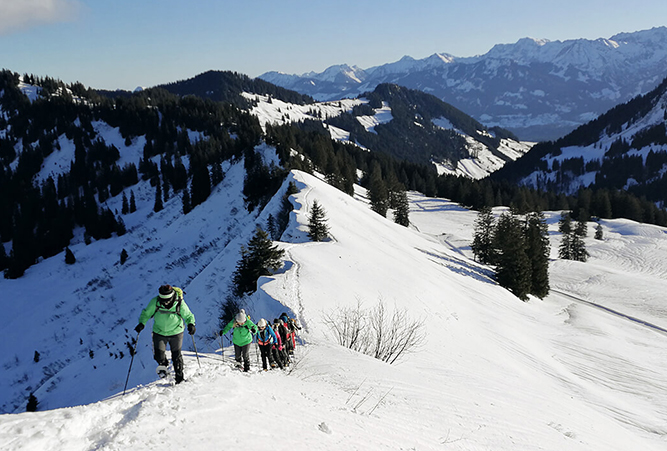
[338, 73]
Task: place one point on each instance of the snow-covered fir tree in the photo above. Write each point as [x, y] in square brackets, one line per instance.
[482, 243]
[513, 269]
[318, 230]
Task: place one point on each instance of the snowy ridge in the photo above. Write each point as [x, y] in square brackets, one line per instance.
[494, 372]
[277, 112]
[481, 163]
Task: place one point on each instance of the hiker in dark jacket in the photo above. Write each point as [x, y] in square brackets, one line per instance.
[170, 314]
[244, 329]
[281, 331]
[292, 327]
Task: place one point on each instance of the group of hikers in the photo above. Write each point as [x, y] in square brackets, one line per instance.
[172, 316]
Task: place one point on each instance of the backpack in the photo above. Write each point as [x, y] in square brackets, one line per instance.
[264, 336]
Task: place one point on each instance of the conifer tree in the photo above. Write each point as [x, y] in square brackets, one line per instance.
[572, 245]
[123, 256]
[217, 174]
[318, 230]
[377, 192]
[272, 227]
[482, 244]
[165, 189]
[133, 203]
[581, 229]
[258, 258]
[70, 259]
[565, 228]
[200, 187]
[121, 229]
[399, 202]
[32, 403]
[579, 252]
[158, 206]
[125, 209]
[187, 205]
[513, 269]
[598, 232]
[538, 250]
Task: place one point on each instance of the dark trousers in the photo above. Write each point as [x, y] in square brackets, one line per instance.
[242, 352]
[289, 346]
[266, 355]
[160, 349]
[277, 357]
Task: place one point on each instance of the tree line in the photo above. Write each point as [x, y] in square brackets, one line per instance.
[40, 215]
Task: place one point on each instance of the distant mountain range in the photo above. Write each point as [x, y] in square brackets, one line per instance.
[538, 89]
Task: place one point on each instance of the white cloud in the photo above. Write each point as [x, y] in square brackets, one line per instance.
[17, 15]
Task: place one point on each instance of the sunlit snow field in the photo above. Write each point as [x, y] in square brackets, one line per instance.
[494, 373]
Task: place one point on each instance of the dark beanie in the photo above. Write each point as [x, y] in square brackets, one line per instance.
[166, 291]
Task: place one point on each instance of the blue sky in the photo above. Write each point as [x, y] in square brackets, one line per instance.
[123, 44]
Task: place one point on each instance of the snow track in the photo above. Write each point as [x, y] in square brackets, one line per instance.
[613, 312]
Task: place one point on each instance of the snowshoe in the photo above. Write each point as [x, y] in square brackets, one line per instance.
[162, 371]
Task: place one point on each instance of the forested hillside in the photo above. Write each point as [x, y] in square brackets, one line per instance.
[66, 150]
[41, 210]
[423, 129]
[624, 149]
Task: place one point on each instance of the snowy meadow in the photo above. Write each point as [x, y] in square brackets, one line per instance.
[582, 369]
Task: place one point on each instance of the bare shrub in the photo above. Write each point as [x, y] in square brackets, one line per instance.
[387, 336]
[348, 326]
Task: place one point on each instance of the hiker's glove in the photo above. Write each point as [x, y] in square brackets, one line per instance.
[191, 329]
[139, 328]
[254, 330]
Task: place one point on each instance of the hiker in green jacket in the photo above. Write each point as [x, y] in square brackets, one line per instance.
[244, 329]
[170, 313]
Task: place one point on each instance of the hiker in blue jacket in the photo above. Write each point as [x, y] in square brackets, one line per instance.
[266, 339]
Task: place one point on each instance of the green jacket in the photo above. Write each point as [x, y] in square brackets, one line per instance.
[242, 332]
[167, 321]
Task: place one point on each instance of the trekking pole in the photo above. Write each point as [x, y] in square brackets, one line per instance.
[196, 353]
[222, 349]
[134, 351]
[257, 351]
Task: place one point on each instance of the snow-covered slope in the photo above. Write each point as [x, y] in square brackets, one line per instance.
[538, 89]
[493, 373]
[481, 162]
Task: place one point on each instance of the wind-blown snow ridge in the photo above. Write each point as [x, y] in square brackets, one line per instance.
[494, 373]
